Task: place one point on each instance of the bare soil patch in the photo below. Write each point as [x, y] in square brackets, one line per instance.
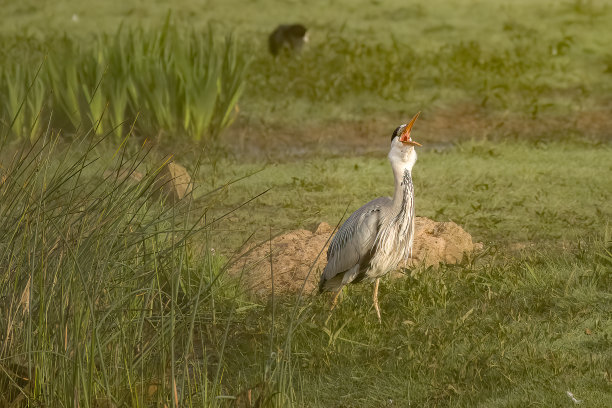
[436, 130]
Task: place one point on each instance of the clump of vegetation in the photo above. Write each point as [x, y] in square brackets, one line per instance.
[95, 274]
[108, 294]
[181, 83]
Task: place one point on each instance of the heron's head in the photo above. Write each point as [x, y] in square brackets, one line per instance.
[402, 151]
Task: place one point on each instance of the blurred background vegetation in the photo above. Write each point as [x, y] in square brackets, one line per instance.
[366, 59]
[112, 296]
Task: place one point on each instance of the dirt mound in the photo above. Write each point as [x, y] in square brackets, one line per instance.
[439, 242]
[294, 254]
[173, 182]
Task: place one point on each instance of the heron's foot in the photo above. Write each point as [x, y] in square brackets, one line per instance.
[375, 298]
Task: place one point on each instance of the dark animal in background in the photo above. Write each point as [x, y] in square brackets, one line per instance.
[289, 37]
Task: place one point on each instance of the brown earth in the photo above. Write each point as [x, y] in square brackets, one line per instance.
[437, 129]
[299, 256]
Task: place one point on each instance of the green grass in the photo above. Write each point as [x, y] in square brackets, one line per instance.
[511, 334]
[111, 297]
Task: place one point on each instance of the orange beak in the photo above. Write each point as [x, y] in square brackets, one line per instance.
[405, 136]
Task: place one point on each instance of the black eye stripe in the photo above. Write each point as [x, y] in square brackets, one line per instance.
[396, 132]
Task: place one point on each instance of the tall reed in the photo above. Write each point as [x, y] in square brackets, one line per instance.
[104, 289]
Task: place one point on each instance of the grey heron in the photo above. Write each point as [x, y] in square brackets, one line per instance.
[376, 237]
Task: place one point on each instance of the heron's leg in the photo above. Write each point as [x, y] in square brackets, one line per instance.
[334, 301]
[376, 299]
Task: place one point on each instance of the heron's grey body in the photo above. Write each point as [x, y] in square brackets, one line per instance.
[376, 237]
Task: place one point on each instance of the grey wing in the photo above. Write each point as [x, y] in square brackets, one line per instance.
[353, 242]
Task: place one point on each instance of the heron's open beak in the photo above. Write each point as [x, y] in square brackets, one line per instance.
[405, 136]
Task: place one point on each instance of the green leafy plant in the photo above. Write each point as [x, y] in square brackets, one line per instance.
[182, 83]
[22, 107]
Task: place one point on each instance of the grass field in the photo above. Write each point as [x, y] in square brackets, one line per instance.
[111, 297]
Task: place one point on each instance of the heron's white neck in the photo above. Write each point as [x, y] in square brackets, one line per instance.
[402, 162]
